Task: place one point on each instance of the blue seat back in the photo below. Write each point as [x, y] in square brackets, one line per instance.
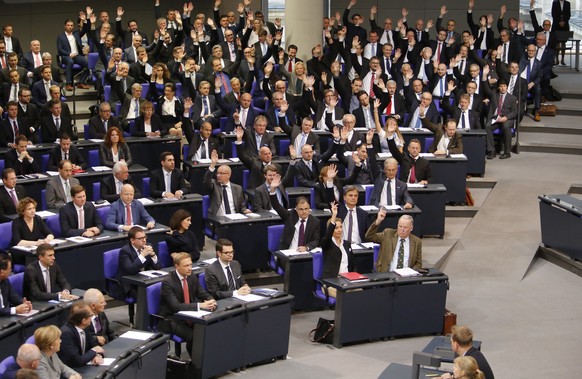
[5, 235]
[284, 147]
[54, 225]
[376, 253]
[368, 194]
[17, 282]
[185, 152]
[145, 187]
[245, 179]
[153, 295]
[44, 162]
[205, 206]
[96, 191]
[274, 233]
[427, 142]
[86, 131]
[93, 158]
[2, 165]
[312, 198]
[110, 263]
[6, 362]
[43, 199]
[202, 280]
[106, 92]
[92, 60]
[30, 340]
[178, 90]
[164, 254]
[317, 265]
[103, 212]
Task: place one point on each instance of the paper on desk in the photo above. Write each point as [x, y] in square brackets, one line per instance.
[222, 161]
[357, 246]
[57, 241]
[194, 314]
[413, 130]
[79, 239]
[253, 215]
[458, 156]
[134, 335]
[248, 298]
[205, 160]
[106, 362]
[101, 168]
[290, 252]
[52, 173]
[406, 271]
[25, 248]
[29, 313]
[415, 185]
[170, 199]
[44, 214]
[384, 155]
[274, 212]
[101, 205]
[153, 273]
[145, 200]
[236, 216]
[235, 159]
[426, 155]
[392, 207]
[316, 250]
[368, 245]
[368, 208]
[209, 261]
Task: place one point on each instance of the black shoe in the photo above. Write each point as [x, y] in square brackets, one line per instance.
[554, 76]
[505, 156]
[491, 155]
[563, 63]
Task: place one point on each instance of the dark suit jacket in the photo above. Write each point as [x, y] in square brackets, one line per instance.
[97, 128]
[10, 297]
[117, 211]
[254, 164]
[72, 353]
[127, 35]
[106, 330]
[69, 219]
[456, 112]
[172, 300]
[481, 362]
[156, 123]
[39, 95]
[274, 120]
[130, 264]
[402, 197]
[332, 255]
[189, 87]
[123, 112]
[324, 196]
[49, 131]
[108, 190]
[362, 216]
[307, 177]
[34, 285]
[421, 165]
[21, 168]
[117, 92]
[7, 206]
[32, 114]
[217, 282]
[294, 131]
[388, 240]
[7, 132]
[267, 139]
[215, 192]
[262, 198]
[312, 226]
[195, 143]
[74, 156]
[106, 156]
[455, 145]
[229, 110]
[158, 184]
[488, 35]
[559, 14]
[197, 108]
[508, 108]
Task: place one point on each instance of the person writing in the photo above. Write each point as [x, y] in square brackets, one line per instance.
[398, 248]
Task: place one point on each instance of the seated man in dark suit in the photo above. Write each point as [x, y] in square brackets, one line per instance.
[301, 231]
[176, 298]
[394, 255]
[126, 212]
[413, 167]
[79, 217]
[99, 124]
[301, 135]
[258, 137]
[389, 191]
[202, 144]
[462, 345]
[136, 256]
[12, 303]
[225, 197]
[19, 159]
[78, 344]
[55, 124]
[66, 151]
[224, 277]
[99, 323]
[446, 140]
[307, 168]
[355, 219]
[28, 357]
[466, 117]
[369, 169]
[44, 280]
[13, 125]
[262, 200]
[10, 194]
[41, 89]
[168, 181]
[111, 184]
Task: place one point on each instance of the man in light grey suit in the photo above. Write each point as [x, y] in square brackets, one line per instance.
[234, 201]
[130, 52]
[58, 189]
[224, 277]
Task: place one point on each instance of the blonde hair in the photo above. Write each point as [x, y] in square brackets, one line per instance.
[468, 365]
[45, 336]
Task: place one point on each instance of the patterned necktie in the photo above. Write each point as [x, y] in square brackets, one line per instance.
[401, 255]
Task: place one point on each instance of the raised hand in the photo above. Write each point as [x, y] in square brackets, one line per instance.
[120, 11]
[331, 172]
[275, 183]
[404, 12]
[374, 10]
[218, 82]
[356, 157]
[333, 207]
[239, 131]
[284, 106]
[369, 137]
[451, 86]
[502, 11]
[217, 3]
[377, 104]
[429, 24]
[213, 158]
[187, 103]
[471, 4]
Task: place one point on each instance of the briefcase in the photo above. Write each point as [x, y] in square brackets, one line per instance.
[450, 321]
[177, 368]
[547, 109]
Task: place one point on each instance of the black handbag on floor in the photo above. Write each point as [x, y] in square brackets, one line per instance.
[323, 332]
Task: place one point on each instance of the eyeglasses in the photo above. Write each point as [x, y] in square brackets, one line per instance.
[227, 252]
[141, 238]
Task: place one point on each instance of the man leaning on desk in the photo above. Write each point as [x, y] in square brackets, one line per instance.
[127, 212]
[224, 277]
[398, 248]
[44, 280]
[181, 291]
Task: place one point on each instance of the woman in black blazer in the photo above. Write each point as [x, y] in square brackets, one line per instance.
[29, 229]
[171, 110]
[148, 119]
[330, 187]
[180, 238]
[114, 149]
[337, 253]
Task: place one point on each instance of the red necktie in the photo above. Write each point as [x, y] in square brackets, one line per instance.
[290, 66]
[438, 56]
[37, 61]
[500, 105]
[413, 174]
[372, 85]
[3, 61]
[15, 127]
[186, 291]
[224, 84]
[128, 220]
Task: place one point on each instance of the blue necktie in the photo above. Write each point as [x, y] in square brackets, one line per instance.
[528, 70]
[205, 103]
[442, 86]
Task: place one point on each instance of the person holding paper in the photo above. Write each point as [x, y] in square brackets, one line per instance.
[136, 256]
[168, 181]
[79, 346]
[79, 217]
[126, 212]
[337, 252]
[225, 197]
[181, 291]
[398, 248]
[10, 301]
[224, 277]
[43, 279]
[389, 191]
